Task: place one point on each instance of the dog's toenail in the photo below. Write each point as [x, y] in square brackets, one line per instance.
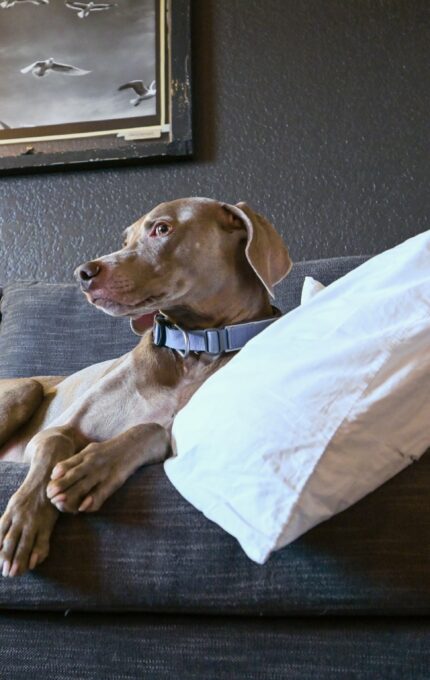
[33, 561]
[86, 504]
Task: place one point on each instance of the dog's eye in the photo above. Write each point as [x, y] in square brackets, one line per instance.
[161, 229]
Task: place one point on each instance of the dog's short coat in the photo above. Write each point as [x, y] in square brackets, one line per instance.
[205, 264]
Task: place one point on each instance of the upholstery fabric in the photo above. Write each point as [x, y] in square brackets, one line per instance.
[149, 550]
[288, 292]
[78, 647]
[50, 329]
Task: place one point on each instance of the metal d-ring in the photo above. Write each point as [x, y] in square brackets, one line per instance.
[186, 337]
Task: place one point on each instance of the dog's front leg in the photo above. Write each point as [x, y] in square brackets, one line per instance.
[83, 482]
[29, 518]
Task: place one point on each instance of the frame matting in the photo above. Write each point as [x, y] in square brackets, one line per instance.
[113, 86]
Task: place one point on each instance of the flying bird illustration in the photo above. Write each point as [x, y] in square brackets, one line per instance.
[84, 9]
[141, 90]
[11, 3]
[3, 125]
[47, 66]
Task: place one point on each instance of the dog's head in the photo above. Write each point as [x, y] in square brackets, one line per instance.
[187, 252]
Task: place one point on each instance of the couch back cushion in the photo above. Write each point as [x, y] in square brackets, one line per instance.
[50, 329]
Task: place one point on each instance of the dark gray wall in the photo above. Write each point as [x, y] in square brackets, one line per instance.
[316, 112]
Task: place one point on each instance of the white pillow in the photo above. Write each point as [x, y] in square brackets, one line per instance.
[318, 410]
[310, 288]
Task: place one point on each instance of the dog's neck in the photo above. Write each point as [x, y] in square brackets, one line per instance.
[221, 310]
[194, 319]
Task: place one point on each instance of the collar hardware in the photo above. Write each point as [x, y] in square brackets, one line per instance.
[213, 341]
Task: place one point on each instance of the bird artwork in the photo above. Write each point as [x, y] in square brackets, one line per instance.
[10, 3]
[84, 9]
[141, 90]
[47, 66]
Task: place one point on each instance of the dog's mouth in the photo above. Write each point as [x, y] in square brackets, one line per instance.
[134, 310]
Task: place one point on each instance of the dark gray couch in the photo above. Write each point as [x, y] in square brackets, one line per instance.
[149, 588]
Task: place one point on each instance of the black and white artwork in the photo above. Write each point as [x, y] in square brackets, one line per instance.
[88, 83]
[68, 68]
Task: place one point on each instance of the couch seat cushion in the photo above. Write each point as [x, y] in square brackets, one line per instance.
[149, 550]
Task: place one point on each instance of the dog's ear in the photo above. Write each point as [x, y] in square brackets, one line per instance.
[265, 250]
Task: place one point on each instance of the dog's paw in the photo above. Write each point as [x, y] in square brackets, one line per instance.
[25, 529]
[83, 482]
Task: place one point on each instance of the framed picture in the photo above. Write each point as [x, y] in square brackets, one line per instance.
[85, 84]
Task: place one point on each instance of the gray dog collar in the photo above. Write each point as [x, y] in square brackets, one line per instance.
[166, 333]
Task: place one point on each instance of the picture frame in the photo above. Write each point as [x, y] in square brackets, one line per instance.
[132, 103]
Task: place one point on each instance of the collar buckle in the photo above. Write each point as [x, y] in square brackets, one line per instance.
[216, 340]
[159, 330]
[159, 334]
[185, 352]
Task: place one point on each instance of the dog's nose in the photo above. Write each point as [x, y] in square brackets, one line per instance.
[87, 271]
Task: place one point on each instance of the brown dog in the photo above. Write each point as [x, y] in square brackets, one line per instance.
[205, 265]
